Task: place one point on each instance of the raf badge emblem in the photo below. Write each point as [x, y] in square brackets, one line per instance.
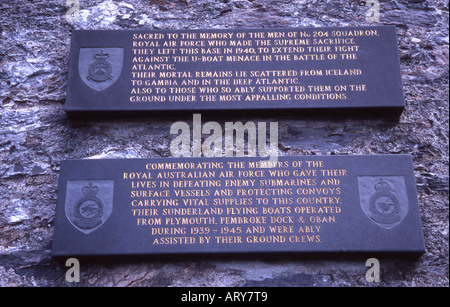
[85, 208]
[384, 199]
[89, 208]
[100, 68]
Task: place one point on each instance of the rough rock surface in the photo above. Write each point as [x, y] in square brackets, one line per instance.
[35, 135]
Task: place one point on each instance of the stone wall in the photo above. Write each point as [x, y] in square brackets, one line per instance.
[35, 135]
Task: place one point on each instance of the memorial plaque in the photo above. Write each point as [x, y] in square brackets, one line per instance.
[324, 204]
[314, 69]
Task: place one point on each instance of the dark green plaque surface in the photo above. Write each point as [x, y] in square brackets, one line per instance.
[313, 69]
[324, 204]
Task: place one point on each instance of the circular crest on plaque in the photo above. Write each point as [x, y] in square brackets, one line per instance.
[384, 205]
[100, 70]
[89, 208]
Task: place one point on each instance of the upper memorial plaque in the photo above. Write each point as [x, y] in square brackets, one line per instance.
[345, 69]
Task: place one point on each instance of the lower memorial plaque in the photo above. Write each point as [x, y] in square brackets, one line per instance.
[237, 205]
[315, 69]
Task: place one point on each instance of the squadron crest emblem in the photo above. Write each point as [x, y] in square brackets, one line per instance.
[89, 208]
[85, 208]
[100, 68]
[384, 199]
[384, 205]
